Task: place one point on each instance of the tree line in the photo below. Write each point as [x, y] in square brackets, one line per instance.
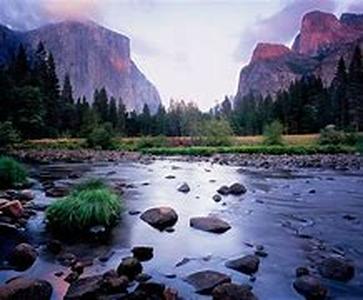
[33, 101]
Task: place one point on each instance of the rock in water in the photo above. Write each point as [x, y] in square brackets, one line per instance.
[129, 267]
[12, 208]
[237, 189]
[210, 224]
[223, 190]
[205, 281]
[160, 217]
[337, 269]
[23, 256]
[231, 291]
[143, 253]
[21, 288]
[247, 264]
[310, 287]
[84, 288]
[184, 188]
[217, 198]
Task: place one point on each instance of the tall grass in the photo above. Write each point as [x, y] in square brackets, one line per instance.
[90, 203]
[12, 173]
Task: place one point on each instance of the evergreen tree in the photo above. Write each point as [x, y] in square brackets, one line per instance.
[100, 104]
[20, 67]
[355, 88]
[112, 114]
[338, 94]
[68, 110]
[121, 118]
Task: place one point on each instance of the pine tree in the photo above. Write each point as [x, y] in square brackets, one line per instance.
[68, 110]
[112, 114]
[100, 104]
[20, 67]
[51, 98]
[338, 94]
[145, 121]
[355, 88]
[121, 118]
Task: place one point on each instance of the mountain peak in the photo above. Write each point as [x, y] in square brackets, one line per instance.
[265, 51]
[320, 30]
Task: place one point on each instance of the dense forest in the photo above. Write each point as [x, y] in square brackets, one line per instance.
[34, 104]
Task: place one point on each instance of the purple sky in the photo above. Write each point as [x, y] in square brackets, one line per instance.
[190, 49]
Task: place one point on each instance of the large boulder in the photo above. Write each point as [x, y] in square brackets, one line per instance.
[337, 269]
[22, 256]
[160, 217]
[85, 288]
[205, 281]
[247, 264]
[21, 288]
[129, 267]
[231, 291]
[210, 224]
[12, 208]
[310, 287]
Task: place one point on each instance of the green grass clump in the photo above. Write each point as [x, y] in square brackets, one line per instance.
[12, 173]
[89, 204]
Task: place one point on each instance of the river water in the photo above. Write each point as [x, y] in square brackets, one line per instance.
[296, 215]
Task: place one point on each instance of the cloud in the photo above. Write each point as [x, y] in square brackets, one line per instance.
[30, 14]
[280, 27]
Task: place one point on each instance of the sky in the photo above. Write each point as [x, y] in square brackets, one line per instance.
[190, 49]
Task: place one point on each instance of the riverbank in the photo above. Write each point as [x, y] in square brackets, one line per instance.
[325, 161]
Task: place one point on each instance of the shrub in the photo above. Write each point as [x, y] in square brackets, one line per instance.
[89, 204]
[8, 135]
[272, 134]
[215, 133]
[331, 136]
[101, 137]
[152, 142]
[12, 173]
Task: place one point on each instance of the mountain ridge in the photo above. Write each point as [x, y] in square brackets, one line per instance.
[321, 41]
[93, 56]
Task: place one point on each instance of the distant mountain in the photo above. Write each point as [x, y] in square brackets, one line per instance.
[322, 40]
[93, 56]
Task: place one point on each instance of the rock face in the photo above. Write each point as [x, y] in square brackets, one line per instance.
[322, 40]
[25, 288]
[93, 56]
[266, 51]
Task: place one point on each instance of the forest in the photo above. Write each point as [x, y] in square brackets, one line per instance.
[35, 105]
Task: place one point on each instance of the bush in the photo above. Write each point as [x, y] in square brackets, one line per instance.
[331, 136]
[151, 142]
[272, 134]
[12, 173]
[89, 204]
[215, 133]
[101, 137]
[8, 135]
